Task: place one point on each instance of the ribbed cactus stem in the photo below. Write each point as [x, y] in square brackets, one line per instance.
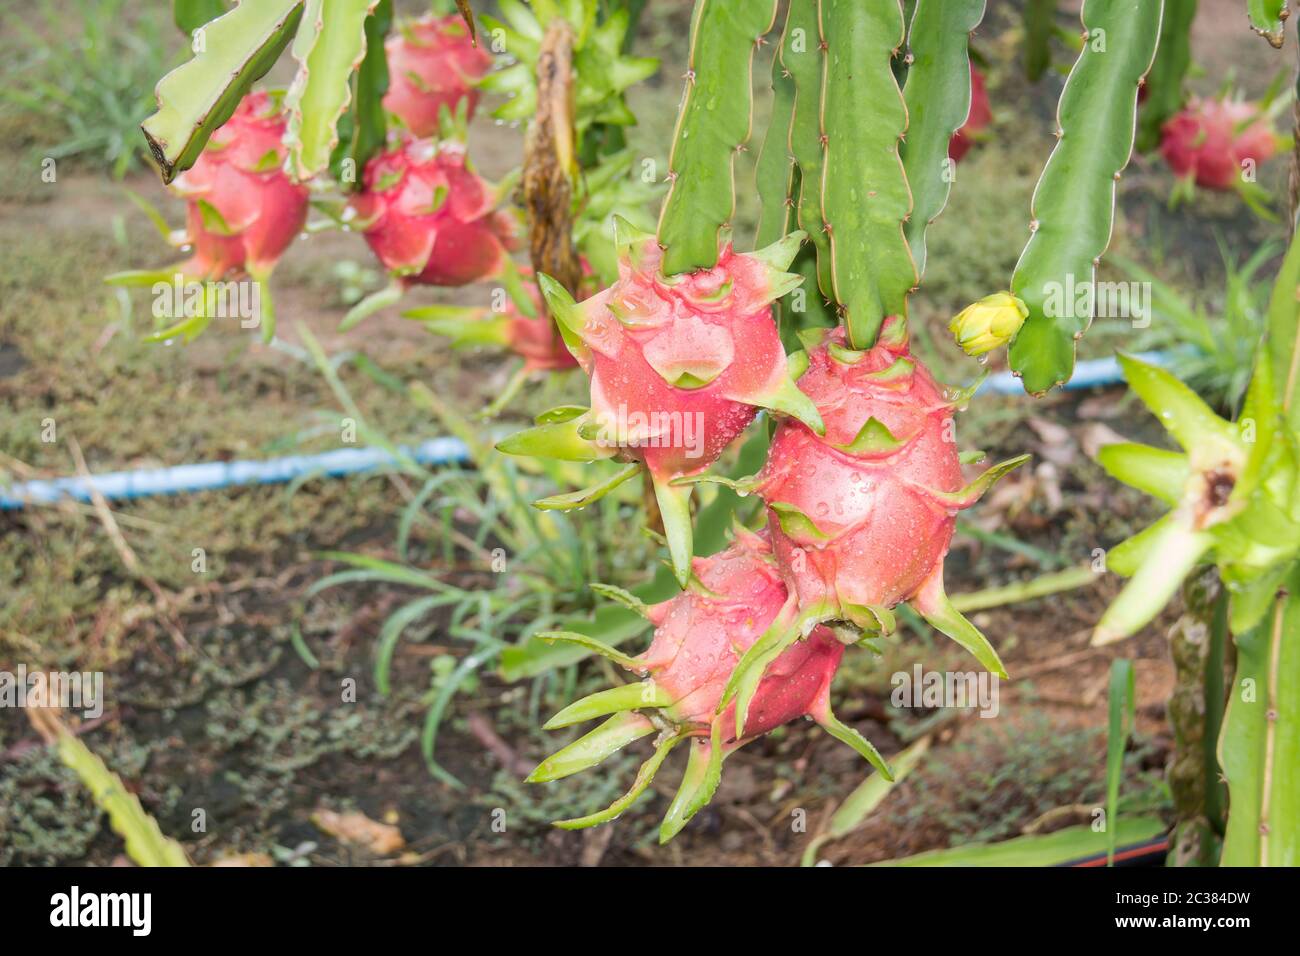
[1073, 208]
[938, 96]
[865, 195]
[713, 125]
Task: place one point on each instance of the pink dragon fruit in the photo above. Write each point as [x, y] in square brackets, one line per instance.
[429, 218]
[699, 638]
[861, 516]
[243, 210]
[678, 366]
[979, 117]
[432, 63]
[1210, 139]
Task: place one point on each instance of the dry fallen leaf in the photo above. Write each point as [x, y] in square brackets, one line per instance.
[1095, 436]
[245, 859]
[357, 829]
[1057, 444]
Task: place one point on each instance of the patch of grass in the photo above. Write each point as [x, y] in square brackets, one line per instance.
[996, 781]
[81, 80]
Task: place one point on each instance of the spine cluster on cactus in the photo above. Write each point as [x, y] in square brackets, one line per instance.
[1213, 139]
[429, 218]
[242, 209]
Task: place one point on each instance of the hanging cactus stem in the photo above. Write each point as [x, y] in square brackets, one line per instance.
[865, 195]
[702, 191]
[1073, 208]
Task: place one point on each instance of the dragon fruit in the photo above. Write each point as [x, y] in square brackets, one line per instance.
[429, 218]
[243, 210]
[979, 117]
[679, 366]
[699, 638]
[1210, 139]
[861, 516]
[433, 64]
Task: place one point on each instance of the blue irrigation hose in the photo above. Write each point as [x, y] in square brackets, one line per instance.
[212, 475]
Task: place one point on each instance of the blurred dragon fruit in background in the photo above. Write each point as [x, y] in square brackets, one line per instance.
[429, 218]
[980, 116]
[1209, 141]
[433, 64]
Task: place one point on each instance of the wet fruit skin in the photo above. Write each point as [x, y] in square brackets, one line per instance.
[878, 530]
[699, 639]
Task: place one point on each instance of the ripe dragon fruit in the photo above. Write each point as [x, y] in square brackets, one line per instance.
[429, 218]
[1210, 139]
[861, 516]
[679, 366]
[979, 117]
[432, 64]
[699, 638]
[243, 210]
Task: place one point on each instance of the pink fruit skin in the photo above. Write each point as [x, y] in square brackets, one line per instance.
[240, 175]
[715, 324]
[429, 218]
[698, 642]
[536, 338]
[1210, 138]
[886, 532]
[432, 63]
[979, 117]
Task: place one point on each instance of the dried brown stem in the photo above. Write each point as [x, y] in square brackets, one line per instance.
[549, 162]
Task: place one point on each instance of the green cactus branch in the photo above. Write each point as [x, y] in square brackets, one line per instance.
[776, 172]
[938, 94]
[714, 123]
[362, 129]
[865, 195]
[1268, 19]
[1073, 208]
[1165, 81]
[1259, 748]
[1283, 342]
[198, 96]
[329, 47]
[1039, 19]
[804, 57]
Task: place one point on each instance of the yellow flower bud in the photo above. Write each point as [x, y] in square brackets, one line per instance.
[989, 323]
